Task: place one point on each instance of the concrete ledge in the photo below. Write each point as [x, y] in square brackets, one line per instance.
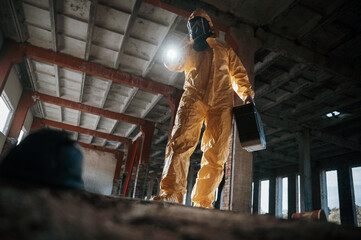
[40, 213]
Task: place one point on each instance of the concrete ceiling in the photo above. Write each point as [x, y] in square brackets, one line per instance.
[308, 65]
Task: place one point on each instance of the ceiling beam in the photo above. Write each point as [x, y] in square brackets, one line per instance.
[294, 72]
[287, 96]
[150, 63]
[337, 140]
[267, 62]
[83, 130]
[97, 148]
[88, 109]
[322, 111]
[102, 103]
[326, 137]
[307, 56]
[52, 10]
[90, 30]
[269, 154]
[95, 69]
[320, 98]
[126, 35]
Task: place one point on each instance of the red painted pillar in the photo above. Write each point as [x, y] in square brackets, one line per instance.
[132, 152]
[10, 54]
[119, 156]
[173, 101]
[117, 181]
[148, 132]
[26, 101]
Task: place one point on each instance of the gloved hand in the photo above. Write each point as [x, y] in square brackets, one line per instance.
[248, 99]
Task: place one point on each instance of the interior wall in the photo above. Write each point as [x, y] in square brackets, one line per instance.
[98, 171]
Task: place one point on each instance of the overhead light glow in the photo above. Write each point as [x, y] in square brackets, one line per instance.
[333, 114]
[172, 54]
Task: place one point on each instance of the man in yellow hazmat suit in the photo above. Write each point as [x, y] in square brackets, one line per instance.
[212, 72]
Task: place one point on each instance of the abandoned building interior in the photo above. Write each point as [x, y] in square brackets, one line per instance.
[94, 68]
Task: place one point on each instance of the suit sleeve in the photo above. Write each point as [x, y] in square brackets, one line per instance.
[239, 76]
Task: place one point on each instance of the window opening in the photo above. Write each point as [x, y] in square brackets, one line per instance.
[333, 203]
[264, 196]
[5, 113]
[285, 197]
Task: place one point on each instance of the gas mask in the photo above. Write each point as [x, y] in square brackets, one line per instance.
[199, 30]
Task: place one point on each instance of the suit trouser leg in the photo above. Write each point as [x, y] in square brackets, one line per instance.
[215, 147]
[183, 141]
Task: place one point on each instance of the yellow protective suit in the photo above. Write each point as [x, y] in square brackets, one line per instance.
[210, 78]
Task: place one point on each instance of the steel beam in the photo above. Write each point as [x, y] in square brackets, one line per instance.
[37, 124]
[102, 149]
[130, 161]
[128, 29]
[83, 130]
[67, 61]
[88, 109]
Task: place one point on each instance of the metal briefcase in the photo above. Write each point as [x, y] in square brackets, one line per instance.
[250, 129]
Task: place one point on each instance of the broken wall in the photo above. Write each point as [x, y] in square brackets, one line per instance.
[98, 171]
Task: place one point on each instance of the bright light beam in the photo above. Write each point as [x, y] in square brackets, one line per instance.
[172, 54]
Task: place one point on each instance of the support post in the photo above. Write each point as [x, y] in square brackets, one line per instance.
[148, 132]
[292, 195]
[132, 151]
[272, 195]
[10, 54]
[279, 188]
[256, 196]
[316, 188]
[150, 185]
[346, 195]
[117, 181]
[324, 201]
[305, 171]
[244, 44]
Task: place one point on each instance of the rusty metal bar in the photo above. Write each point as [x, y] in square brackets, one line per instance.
[83, 130]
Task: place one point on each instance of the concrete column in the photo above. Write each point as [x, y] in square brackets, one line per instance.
[243, 42]
[292, 195]
[305, 171]
[278, 195]
[150, 185]
[316, 188]
[190, 183]
[346, 195]
[256, 196]
[323, 186]
[272, 195]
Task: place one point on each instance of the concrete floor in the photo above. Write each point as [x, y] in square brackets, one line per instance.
[40, 213]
